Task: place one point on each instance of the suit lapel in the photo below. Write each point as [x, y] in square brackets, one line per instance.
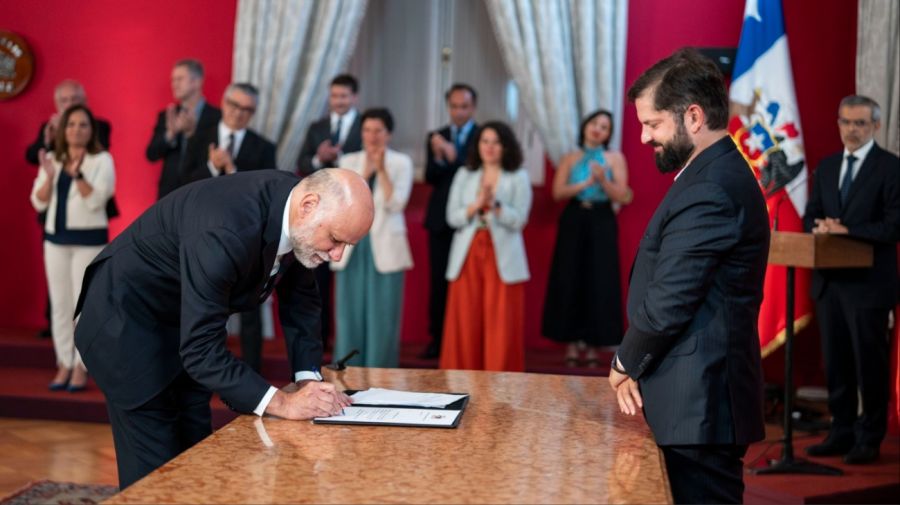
[248, 146]
[272, 233]
[862, 176]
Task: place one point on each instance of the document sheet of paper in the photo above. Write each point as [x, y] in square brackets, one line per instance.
[379, 396]
[380, 415]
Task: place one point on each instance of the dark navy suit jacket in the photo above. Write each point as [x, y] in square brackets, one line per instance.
[155, 301]
[693, 304]
[872, 214]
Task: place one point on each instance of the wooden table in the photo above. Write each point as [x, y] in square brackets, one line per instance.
[524, 438]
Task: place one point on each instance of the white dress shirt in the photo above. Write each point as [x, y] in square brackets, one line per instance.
[284, 247]
[224, 134]
[860, 154]
[346, 122]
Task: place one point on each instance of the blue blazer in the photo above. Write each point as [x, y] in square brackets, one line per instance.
[693, 305]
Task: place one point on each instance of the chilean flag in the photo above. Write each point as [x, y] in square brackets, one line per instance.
[765, 125]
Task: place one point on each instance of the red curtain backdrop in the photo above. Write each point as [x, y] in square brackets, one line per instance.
[123, 52]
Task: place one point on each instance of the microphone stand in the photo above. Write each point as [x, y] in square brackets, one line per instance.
[788, 464]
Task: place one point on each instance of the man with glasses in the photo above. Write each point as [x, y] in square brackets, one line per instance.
[224, 149]
[856, 193]
[176, 124]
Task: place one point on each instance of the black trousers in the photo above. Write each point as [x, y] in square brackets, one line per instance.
[147, 437]
[251, 338]
[438, 256]
[706, 473]
[855, 346]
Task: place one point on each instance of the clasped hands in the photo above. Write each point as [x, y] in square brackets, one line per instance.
[179, 121]
[221, 159]
[307, 399]
[830, 225]
[443, 149]
[616, 190]
[628, 393]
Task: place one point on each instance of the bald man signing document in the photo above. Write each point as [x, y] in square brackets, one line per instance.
[154, 304]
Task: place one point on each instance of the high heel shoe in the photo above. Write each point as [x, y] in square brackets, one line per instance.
[75, 388]
[61, 381]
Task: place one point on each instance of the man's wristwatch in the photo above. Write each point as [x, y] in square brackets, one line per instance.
[78, 175]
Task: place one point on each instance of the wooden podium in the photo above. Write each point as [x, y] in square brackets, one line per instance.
[806, 250]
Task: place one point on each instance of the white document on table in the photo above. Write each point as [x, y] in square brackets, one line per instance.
[379, 396]
[388, 415]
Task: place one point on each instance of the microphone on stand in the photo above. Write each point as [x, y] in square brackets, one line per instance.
[777, 209]
[342, 363]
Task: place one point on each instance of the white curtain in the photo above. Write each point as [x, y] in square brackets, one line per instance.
[568, 59]
[290, 50]
[878, 65]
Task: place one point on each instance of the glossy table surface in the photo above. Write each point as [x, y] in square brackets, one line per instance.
[524, 438]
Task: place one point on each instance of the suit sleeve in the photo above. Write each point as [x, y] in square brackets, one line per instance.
[886, 229]
[403, 183]
[457, 201]
[211, 264]
[514, 213]
[268, 158]
[307, 153]
[699, 230]
[193, 164]
[814, 209]
[299, 309]
[436, 171]
[31, 153]
[159, 147]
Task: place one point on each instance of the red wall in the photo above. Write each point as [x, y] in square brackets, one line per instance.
[123, 53]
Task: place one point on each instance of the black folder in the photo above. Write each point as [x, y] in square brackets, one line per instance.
[458, 405]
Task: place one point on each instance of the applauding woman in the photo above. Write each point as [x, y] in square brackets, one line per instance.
[583, 306]
[72, 187]
[369, 278]
[488, 206]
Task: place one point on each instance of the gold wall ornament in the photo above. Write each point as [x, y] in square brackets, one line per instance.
[16, 64]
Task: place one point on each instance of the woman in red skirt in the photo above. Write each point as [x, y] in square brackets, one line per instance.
[488, 206]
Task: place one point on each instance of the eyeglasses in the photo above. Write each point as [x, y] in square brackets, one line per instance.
[246, 110]
[859, 123]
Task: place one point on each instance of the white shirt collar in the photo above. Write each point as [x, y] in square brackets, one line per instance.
[225, 132]
[862, 152]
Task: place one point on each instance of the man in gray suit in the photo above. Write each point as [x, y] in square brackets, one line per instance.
[690, 358]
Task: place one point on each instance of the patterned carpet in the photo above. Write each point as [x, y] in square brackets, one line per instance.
[48, 492]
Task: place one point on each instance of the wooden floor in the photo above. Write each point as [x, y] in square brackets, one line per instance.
[55, 450]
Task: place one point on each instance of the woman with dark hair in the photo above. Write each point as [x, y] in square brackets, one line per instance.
[583, 306]
[488, 206]
[72, 187]
[369, 277]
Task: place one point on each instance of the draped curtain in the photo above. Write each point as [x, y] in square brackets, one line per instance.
[568, 59]
[290, 50]
[878, 65]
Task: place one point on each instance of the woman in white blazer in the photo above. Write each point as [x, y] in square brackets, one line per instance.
[488, 206]
[369, 277]
[72, 187]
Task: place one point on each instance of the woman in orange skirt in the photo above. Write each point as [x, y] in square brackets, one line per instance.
[488, 206]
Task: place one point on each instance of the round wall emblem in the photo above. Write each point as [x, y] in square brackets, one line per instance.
[16, 64]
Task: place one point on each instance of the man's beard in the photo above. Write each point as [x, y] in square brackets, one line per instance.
[676, 152]
[301, 244]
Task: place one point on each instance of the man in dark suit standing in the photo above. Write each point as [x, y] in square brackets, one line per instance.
[856, 193]
[67, 93]
[155, 301]
[446, 150]
[176, 124]
[225, 148]
[337, 133]
[690, 357]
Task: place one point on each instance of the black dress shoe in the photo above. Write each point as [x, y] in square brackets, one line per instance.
[861, 455]
[831, 446]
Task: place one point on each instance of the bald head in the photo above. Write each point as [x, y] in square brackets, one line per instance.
[68, 93]
[330, 209]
